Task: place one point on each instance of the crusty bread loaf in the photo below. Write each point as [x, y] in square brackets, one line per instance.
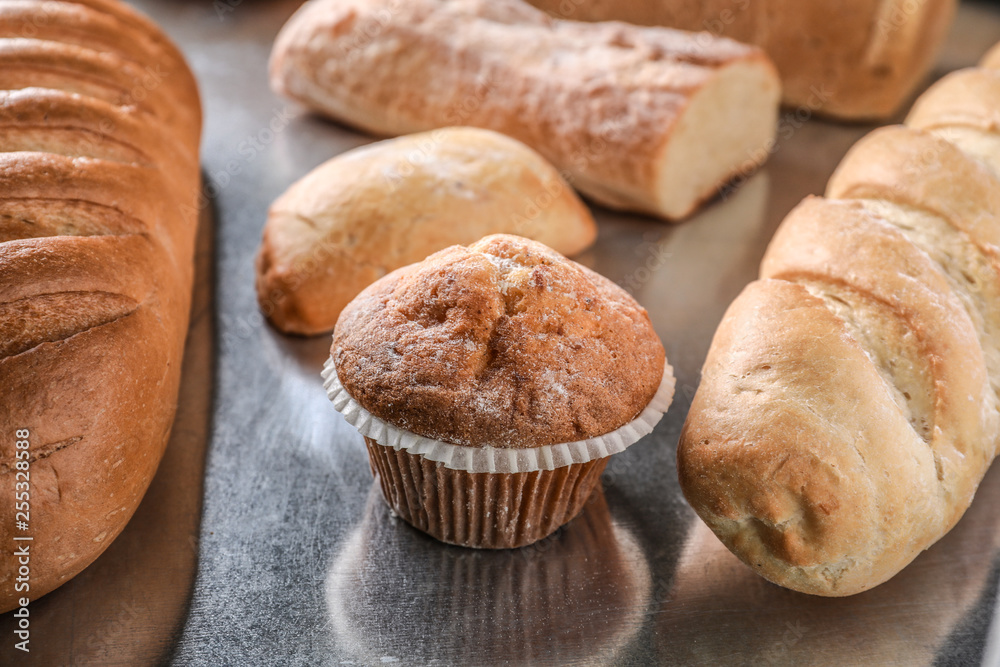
[855, 60]
[99, 128]
[645, 119]
[370, 211]
[848, 407]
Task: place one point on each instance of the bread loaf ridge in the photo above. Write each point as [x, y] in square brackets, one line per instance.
[644, 119]
[848, 407]
[99, 129]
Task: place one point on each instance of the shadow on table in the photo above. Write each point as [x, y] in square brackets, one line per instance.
[720, 612]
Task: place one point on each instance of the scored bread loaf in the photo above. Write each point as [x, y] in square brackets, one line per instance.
[99, 130]
[644, 119]
[856, 60]
[848, 407]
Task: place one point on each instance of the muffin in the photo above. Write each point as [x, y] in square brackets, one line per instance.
[491, 384]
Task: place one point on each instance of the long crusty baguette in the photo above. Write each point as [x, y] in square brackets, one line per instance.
[848, 407]
[644, 119]
[858, 59]
[370, 211]
[99, 130]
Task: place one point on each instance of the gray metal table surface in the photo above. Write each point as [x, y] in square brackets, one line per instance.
[297, 561]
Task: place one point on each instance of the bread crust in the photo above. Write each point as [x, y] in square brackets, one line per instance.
[992, 58]
[850, 402]
[99, 124]
[857, 60]
[504, 343]
[604, 103]
[370, 211]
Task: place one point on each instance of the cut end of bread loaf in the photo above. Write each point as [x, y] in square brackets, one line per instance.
[727, 130]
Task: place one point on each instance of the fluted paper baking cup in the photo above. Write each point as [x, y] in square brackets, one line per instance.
[482, 510]
[498, 459]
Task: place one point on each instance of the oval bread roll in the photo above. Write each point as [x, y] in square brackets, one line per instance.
[372, 210]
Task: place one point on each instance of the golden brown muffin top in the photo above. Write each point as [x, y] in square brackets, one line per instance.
[503, 343]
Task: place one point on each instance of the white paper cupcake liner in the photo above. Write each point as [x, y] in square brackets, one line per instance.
[498, 459]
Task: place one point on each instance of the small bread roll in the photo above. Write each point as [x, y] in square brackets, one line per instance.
[369, 211]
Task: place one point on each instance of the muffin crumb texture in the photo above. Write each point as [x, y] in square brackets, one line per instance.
[503, 343]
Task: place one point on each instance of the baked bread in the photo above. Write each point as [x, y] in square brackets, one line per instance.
[992, 59]
[856, 60]
[492, 384]
[375, 209]
[641, 119]
[99, 181]
[848, 407]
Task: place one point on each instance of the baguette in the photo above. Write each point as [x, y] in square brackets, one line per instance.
[642, 119]
[849, 404]
[372, 210]
[99, 129]
[855, 60]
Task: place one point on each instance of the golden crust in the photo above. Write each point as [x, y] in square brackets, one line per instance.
[992, 58]
[370, 211]
[771, 473]
[603, 103]
[854, 59]
[99, 128]
[968, 98]
[848, 407]
[504, 343]
[916, 168]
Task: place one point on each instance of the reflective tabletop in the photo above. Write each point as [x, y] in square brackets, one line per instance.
[264, 540]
